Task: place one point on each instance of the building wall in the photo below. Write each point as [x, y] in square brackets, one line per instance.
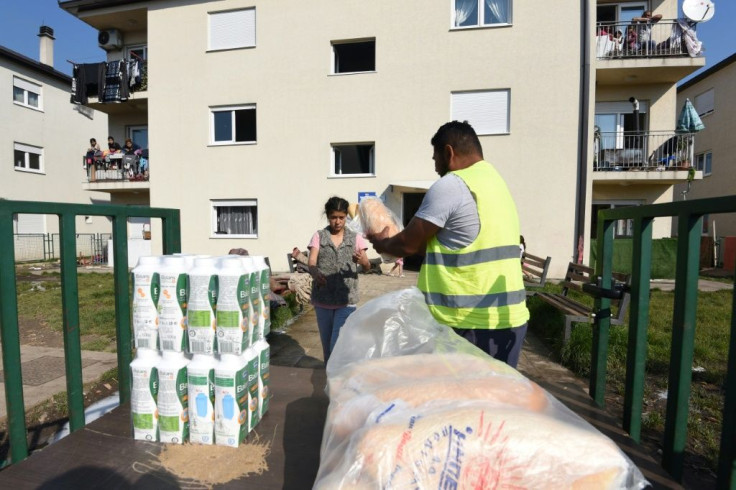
[302, 109]
[62, 132]
[718, 138]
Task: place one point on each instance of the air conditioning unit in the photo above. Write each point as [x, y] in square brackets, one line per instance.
[110, 39]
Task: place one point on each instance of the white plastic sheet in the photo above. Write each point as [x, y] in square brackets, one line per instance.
[413, 405]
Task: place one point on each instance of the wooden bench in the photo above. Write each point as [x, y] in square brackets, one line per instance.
[535, 271]
[295, 265]
[574, 311]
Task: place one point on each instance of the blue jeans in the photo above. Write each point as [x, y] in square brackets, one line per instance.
[503, 344]
[330, 322]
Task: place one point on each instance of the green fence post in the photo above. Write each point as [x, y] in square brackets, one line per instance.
[727, 454]
[602, 323]
[683, 338]
[172, 233]
[70, 315]
[122, 302]
[11, 340]
[636, 357]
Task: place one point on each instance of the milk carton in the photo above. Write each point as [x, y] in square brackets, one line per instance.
[256, 304]
[172, 305]
[233, 307]
[251, 358]
[201, 320]
[201, 385]
[143, 394]
[264, 322]
[173, 414]
[146, 291]
[231, 400]
[264, 361]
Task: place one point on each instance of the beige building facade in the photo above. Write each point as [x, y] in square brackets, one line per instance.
[713, 93]
[43, 137]
[258, 111]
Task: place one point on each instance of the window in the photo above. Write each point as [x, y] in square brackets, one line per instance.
[354, 56]
[477, 13]
[232, 29]
[704, 162]
[233, 125]
[26, 93]
[620, 13]
[487, 111]
[28, 158]
[618, 126]
[705, 103]
[234, 218]
[623, 228]
[353, 159]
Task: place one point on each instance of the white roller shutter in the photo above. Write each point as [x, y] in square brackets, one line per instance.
[705, 102]
[31, 223]
[487, 111]
[232, 29]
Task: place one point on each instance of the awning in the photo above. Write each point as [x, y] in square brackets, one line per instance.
[412, 185]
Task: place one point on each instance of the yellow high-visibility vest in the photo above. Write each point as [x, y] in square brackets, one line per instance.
[480, 286]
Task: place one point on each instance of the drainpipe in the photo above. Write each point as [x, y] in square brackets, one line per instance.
[584, 129]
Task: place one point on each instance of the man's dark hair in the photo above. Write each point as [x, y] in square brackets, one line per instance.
[460, 135]
[110, 137]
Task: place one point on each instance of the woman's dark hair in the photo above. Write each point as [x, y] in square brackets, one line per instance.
[336, 204]
[92, 141]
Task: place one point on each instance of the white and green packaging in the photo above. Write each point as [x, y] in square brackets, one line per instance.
[251, 358]
[172, 304]
[233, 307]
[144, 392]
[264, 327]
[173, 413]
[201, 319]
[264, 363]
[231, 400]
[201, 377]
[146, 290]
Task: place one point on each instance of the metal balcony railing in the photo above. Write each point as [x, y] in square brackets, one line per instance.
[684, 322]
[9, 336]
[666, 38]
[642, 150]
[116, 168]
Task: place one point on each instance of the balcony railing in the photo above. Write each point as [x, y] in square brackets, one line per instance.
[643, 150]
[666, 38]
[116, 168]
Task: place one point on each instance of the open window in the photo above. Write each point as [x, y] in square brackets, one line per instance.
[233, 125]
[353, 160]
[354, 56]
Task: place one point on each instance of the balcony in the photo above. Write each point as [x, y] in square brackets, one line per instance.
[627, 157]
[110, 98]
[636, 53]
[117, 173]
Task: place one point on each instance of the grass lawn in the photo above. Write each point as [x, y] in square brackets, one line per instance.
[709, 367]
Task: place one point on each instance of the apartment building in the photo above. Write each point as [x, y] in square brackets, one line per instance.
[256, 112]
[43, 136]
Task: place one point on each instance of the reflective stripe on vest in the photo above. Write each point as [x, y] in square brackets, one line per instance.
[473, 258]
[489, 300]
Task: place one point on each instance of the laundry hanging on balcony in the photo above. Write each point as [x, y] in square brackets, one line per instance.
[110, 82]
[689, 121]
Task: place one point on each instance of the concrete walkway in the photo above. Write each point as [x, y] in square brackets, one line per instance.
[44, 373]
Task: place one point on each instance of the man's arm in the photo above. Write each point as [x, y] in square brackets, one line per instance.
[411, 240]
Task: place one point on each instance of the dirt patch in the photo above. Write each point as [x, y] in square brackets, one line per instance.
[204, 464]
[37, 333]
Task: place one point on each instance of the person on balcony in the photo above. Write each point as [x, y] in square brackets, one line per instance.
[131, 148]
[644, 32]
[93, 152]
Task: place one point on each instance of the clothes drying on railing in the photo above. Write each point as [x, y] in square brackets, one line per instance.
[111, 82]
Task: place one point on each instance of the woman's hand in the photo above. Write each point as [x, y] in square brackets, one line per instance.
[317, 276]
[360, 257]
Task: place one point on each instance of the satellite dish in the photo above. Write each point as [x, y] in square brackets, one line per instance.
[698, 10]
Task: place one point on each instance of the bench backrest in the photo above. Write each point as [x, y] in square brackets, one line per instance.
[537, 267]
[578, 274]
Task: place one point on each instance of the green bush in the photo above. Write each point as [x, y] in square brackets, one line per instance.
[664, 256]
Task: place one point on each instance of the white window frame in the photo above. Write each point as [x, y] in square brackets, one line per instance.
[623, 228]
[137, 47]
[705, 103]
[619, 109]
[480, 8]
[334, 174]
[231, 141]
[468, 106]
[701, 162]
[27, 149]
[242, 32]
[28, 87]
[216, 203]
[333, 65]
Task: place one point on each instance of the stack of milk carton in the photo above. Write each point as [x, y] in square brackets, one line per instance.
[202, 360]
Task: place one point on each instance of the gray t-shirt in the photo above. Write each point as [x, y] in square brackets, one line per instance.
[450, 205]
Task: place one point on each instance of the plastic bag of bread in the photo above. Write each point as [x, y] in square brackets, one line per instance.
[413, 405]
[374, 217]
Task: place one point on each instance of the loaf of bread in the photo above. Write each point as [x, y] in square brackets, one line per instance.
[375, 216]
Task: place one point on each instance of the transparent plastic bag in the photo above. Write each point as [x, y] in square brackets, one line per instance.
[413, 405]
[374, 217]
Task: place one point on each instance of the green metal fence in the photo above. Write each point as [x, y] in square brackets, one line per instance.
[689, 225]
[70, 302]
